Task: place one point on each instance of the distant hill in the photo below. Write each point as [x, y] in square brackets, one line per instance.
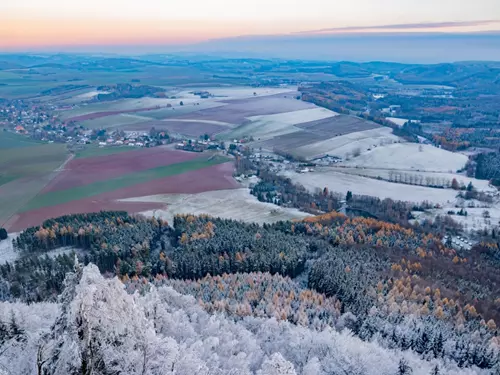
[409, 48]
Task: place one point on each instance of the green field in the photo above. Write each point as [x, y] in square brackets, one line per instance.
[22, 157]
[114, 121]
[93, 150]
[100, 187]
[13, 140]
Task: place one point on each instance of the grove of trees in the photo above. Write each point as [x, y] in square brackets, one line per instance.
[393, 286]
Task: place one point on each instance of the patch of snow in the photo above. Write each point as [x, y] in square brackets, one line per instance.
[268, 126]
[410, 156]
[7, 252]
[344, 145]
[237, 204]
[342, 183]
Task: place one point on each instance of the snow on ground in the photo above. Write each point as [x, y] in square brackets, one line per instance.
[397, 121]
[91, 94]
[268, 126]
[236, 92]
[222, 123]
[474, 219]
[147, 102]
[9, 254]
[114, 121]
[434, 177]
[340, 182]
[343, 146]
[237, 204]
[407, 156]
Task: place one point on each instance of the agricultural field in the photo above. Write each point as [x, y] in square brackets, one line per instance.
[416, 178]
[177, 110]
[309, 137]
[236, 92]
[113, 121]
[21, 157]
[344, 146]
[95, 183]
[191, 128]
[342, 183]
[93, 150]
[25, 168]
[236, 204]
[268, 126]
[409, 156]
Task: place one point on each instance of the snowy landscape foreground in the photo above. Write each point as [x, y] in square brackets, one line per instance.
[98, 328]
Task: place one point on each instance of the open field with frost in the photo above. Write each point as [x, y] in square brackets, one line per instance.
[236, 92]
[237, 204]
[268, 126]
[9, 254]
[113, 121]
[474, 219]
[344, 145]
[434, 177]
[340, 182]
[407, 156]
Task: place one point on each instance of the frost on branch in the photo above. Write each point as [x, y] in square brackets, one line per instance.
[102, 330]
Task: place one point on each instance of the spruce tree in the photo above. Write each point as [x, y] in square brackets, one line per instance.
[404, 368]
[15, 331]
[437, 347]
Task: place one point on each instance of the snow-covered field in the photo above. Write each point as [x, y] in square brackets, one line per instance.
[9, 254]
[114, 121]
[236, 92]
[407, 156]
[237, 204]
[268, 126]
[343, 146]
[340, 182]
[474, 219]
[434, 177]
[91, 94]
[397, 121]
[222, 123]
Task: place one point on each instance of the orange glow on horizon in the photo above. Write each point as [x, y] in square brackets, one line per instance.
[19, 31]
[60, 32]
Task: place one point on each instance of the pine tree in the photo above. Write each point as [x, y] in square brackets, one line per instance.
[435, 370]
[4, 332]
[348, 196]
[15, 331]
[437, 346]
[422, 343]
[404, 368]
[3, 234]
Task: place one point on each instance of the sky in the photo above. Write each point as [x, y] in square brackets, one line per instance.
[26, 24]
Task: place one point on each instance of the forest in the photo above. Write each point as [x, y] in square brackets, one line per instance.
[488, 167]
[388, 285]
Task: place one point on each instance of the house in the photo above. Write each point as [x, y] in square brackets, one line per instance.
[20, 129]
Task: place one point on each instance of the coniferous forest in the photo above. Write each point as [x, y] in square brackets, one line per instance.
[111, 293]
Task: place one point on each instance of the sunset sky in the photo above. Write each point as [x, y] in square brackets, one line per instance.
[28, 24]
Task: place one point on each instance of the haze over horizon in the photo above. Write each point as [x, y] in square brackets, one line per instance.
[32, 24]
[402, 30]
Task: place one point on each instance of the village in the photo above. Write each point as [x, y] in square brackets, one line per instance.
[39, 123]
